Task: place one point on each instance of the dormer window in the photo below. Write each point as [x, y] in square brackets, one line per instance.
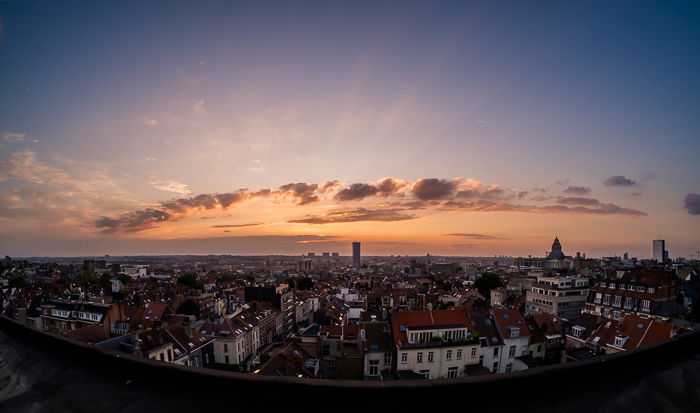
[577, 331]
[650, 290]
[622, 286]
[513, 331]
[630, 288]
[620, 341]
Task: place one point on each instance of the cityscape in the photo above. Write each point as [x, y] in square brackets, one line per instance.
[349, 205]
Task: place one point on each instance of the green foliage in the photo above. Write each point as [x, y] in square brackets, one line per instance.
[249, 278]
[190, 280]
[486, 283]
[87, 278]
[225, 278]
[125, 278]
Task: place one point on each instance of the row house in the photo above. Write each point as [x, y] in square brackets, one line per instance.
[62, 316]
[491, 345]
[190, 347]
[634, 292]
[377, 348]
[433, 344]
[547, 337]
[239, 337]
[607, 336]
[339, 351]
[516, 338]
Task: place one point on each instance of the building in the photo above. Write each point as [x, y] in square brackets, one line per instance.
[62, 316]
[556, 253]
[434, 344]
[561, 296]
[377, 348]
[516, 339]
[356, 261]
[650, 293]
[659, 252]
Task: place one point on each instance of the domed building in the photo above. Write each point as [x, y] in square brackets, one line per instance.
[556, 253]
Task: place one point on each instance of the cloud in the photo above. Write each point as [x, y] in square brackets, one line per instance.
[330, 186]
[172, 186]
[198, 106]
[356, 215]
[600, 208]
[13, 137]
[149, 122]
[472, 236]
[692, 203]
[432, 188]
[619, 180]
[302, 192]
[237, 225]
[133, 221]
[578, 201]
[358, 191]
[577, 190]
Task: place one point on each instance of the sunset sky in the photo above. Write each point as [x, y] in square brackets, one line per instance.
[451, 128]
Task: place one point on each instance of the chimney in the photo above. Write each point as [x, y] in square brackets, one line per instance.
[135, 340]
[187, 327]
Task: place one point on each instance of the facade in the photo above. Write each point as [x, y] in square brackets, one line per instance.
[434, 344]
[638, 292]
[659, 252]
[63, 316]
[516, 339]
[377, 348]
[356, 261]
[562, 296]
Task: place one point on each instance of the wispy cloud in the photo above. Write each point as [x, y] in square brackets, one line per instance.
[198, 106]
[12, 137]
[149, 122]
[473, 236]
[356, 215]
[577, 190]
[254, 224]
[172, 186]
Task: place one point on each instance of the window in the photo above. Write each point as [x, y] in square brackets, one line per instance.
[495, 352]
[509, 368]
[473, 353]
[618, 301]
[646, 305]
[448, 355]
[539, 348]
[419, 358]
[628, 302]
[225, 348]
[404, 358]
[387, 359]
[430, 356]
[495, 367]
[452, 372]
[511, 351]
[650, 290]
[226, 358]
[162, 356]
[374, 367]
[425, 374]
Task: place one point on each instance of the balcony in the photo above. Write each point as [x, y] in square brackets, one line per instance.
[438, 342]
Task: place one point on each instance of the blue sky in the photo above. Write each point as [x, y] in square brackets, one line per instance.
[121, 100]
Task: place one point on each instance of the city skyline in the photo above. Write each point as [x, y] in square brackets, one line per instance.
[453, 129]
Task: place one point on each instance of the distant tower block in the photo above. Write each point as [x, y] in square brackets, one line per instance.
[356, 261]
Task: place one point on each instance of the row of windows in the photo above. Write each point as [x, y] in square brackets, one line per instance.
[630, 287]
[431, 356]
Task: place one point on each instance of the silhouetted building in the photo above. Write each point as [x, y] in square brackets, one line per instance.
[356, 255]
[659, 250]
[556, 253]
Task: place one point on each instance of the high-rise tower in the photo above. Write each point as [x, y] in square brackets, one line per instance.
[356, 255]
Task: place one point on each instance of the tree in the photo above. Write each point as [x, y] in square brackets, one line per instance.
[124, 278]
[190, 280]
[87, 278]
[487, 282]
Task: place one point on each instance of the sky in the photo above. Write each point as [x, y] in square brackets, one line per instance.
[451, 128]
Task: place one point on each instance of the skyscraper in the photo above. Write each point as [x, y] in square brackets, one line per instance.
[659, 248]
[356, 254]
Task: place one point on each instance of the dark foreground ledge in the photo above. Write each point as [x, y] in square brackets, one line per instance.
[41, 372]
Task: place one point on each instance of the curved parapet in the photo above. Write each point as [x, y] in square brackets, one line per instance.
[42, 372]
